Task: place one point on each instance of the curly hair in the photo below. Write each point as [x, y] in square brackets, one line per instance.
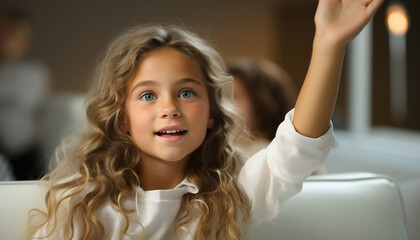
[102, 169]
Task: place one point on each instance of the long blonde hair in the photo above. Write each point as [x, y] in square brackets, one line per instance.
[108, 158]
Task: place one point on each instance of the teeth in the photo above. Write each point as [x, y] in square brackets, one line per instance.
[171, 131]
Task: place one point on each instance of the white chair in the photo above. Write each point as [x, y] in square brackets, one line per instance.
[346, 206]
[340, 207]
[16, 199]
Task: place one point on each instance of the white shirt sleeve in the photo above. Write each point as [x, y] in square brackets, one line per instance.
[276, 173]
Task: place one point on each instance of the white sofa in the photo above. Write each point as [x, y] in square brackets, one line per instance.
[389, 151]
[349, 206]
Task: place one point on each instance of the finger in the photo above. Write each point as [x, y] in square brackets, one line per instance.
[373, 7]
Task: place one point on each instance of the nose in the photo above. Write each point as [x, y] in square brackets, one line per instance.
[170, 109]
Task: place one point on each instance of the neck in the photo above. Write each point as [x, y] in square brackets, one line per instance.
[159, 174]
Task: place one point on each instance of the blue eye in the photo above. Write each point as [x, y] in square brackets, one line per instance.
[148, 97]
[186, 94]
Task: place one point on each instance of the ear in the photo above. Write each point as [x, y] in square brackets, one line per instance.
[210, 123]
[124, 126]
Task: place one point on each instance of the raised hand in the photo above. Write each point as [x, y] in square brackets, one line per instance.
[339, 21]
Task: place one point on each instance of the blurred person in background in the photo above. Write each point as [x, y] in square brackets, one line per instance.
[264, 93]
[6, 173]
[24, 85]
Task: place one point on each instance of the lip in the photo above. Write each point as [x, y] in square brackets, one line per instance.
[170, 137]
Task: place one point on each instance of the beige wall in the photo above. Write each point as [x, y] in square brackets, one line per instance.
[70, 35]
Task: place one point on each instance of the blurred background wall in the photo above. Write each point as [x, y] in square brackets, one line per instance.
[70, 35]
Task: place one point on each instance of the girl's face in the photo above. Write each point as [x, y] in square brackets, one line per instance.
[167, 108]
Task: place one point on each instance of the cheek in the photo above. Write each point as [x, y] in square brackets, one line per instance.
[139, 122]
[199, 116]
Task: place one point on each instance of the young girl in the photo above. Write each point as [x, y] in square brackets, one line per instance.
[157, 162]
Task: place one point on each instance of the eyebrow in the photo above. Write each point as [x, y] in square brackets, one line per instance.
[154, 83]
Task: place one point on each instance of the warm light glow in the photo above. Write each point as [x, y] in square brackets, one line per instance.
[397, 19]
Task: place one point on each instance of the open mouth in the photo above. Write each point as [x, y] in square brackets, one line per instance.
[171, 133]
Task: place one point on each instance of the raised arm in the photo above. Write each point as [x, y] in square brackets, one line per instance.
[337, 23]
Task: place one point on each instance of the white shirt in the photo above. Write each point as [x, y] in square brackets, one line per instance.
[268, 178]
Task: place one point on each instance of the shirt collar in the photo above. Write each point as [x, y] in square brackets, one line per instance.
[176, 193]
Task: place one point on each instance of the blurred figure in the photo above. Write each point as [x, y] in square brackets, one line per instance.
[23, 87]
[6, 173]
[264, 93]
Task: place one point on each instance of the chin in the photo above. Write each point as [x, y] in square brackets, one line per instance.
[174, 157]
